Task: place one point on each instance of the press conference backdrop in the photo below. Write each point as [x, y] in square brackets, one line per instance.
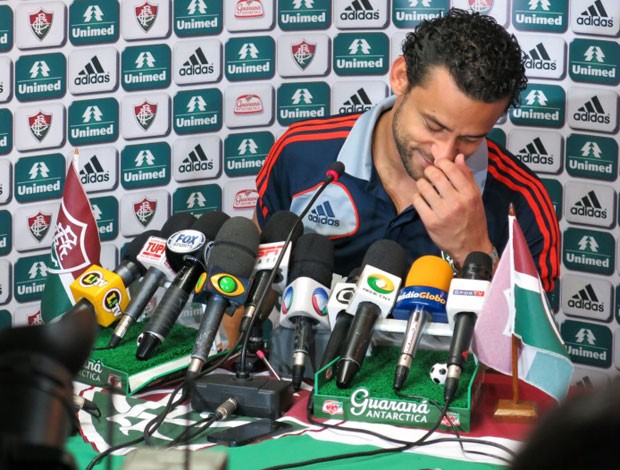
[175, 104]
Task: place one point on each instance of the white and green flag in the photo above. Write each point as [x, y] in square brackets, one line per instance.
[516, 303]
[75, 246]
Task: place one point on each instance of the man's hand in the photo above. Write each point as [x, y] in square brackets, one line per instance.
[450, 206]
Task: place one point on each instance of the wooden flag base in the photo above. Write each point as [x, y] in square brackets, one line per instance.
[519, 412]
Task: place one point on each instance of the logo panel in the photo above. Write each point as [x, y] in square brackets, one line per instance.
[6, 28]
[592, 156]
[29, 276]
[295, 15]
[243, 109]
[145, 165]
[40, 77]
[105, 210]
[590, 204]
[39, 127]
[249, 15]
[6, 131]
[356, 97]
[6, 233]
[145, 115]
[540, 151]
[587, 343]
[145, 67]
[540, 15]
[39, 178]
[555, 190]
[303, 55]
[361, 54]
[142, 19]
[197, 158]
[93, 121]
[589, 251]
[34, 226]
[93, 70]
[303, 100]
[544, 59]
[198, 62]
[587, 297]
[541, 106]
[144, 211]
[598, 17]
[93, 22]
[244, 154]
[98, 168]
[594, 61]
[197, 200]
[40, 24]
[593, 109]
[197, 111]
[407, 14]
[250, 58]
[197, 17]
[360, 14]
[240, 197]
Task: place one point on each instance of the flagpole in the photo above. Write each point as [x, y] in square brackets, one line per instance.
[515, 369]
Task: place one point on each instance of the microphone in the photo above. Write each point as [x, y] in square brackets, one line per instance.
[230, 262]
[424, 294]
[305, 299]
[339, 319]
[158, 271]
[465, 301]
[382, 270]
[183, 252]
[272, 239]
[107, 290]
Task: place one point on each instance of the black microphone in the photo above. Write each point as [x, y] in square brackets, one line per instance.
[153, 257]
[230, 262]
[272, 239]
[383, 268]
[184, 250]
[465, 301]
[304, 303]
[339, 319]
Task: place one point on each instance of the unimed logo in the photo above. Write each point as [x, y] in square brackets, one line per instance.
[197, 111]
[93, 121]
[361, 54]
[6, 131]
[250, 58]
[408, 13]
[244, 154]
[587, 343]
[105, 211]
[594, 61]
[592, 156]
[145, 165]
[6, 28]
[305, 100]
[30, 274]
[541, 106]
[294, 15]
[589, 251]
[540, 15]
[197, 17]
[145, 67]
[40, 77]
[197, 200]
[93, 22]
[40, 177]
[555, 190]
[6, 236]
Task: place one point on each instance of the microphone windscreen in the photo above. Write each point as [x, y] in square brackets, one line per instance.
[313, 257]
[135, 246]
[210, 223]
[176, 222]
[430, 271]
[279, 226]
[337, 168]
[477, 265]
[388, 256]
[235, 247]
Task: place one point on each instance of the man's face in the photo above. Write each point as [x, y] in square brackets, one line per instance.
[436, 120]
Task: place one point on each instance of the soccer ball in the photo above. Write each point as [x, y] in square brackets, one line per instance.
[438, 373]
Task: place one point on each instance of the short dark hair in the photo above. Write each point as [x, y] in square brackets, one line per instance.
[485, 61]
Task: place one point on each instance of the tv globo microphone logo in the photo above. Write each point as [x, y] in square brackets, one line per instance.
[380, 283]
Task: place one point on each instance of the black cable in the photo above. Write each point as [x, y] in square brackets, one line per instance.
[109, 450]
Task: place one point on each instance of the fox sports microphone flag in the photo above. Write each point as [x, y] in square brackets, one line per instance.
[75, 246]
[516, 304]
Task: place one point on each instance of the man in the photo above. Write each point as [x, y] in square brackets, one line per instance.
[419, 169]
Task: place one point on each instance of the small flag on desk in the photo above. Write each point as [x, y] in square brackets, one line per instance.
[75, 246]
[516, 303]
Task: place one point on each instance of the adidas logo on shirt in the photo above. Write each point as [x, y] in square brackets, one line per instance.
[323, 214]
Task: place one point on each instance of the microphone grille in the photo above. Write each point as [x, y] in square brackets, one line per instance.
[477, 265]
[430, 271]
[176, 222]
[313, 257]
[210, 223]
[279, 226]
[388, 256]
[235, 247]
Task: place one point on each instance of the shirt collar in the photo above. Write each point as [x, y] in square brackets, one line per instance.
[356, 153]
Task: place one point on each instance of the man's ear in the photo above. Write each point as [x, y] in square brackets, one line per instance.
[398, 76]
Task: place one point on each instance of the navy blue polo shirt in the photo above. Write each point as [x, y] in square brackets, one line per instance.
[356, 210]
